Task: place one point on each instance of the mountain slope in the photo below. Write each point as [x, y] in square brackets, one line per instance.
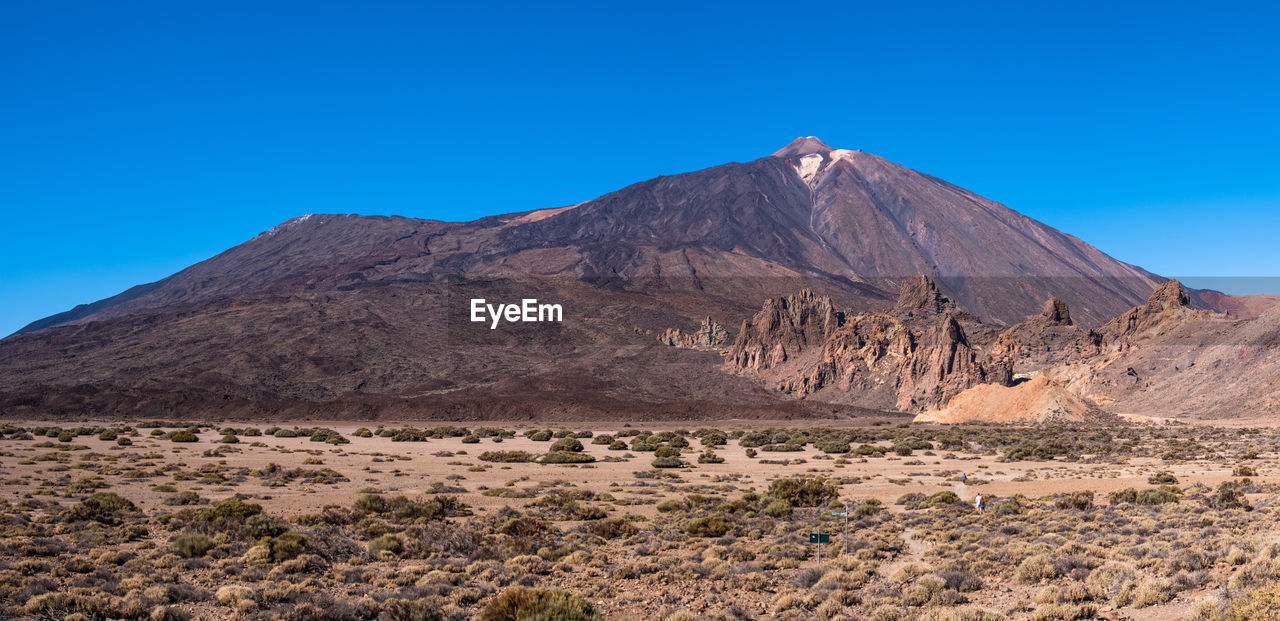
[848, 217]
[887, 221]
[340, 313]
[1160, 359]
[1165, 358]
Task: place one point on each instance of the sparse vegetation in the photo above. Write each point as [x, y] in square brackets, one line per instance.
[250, 530]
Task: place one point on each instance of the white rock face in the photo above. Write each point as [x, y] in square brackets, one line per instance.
[844, 154]
[809, 167]
[292, 222]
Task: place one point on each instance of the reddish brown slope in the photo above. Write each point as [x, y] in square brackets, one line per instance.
[1166, 359]
[328, 309]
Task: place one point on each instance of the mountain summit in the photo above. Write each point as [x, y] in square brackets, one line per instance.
[804, 145]
[360, 315]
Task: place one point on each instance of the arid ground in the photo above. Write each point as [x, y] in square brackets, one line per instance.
[164, 520]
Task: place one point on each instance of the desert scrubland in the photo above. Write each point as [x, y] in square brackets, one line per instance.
[166, 520]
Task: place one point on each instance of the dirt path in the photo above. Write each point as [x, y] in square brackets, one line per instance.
[913, 552]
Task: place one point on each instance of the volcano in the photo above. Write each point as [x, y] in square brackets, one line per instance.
[346, 316]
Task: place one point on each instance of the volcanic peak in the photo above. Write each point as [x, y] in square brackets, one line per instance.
[804, 145]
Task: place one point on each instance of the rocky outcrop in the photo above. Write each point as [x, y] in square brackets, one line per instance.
[1168, 306]
[913, 357]
[944, 366]
[1165, 358]
[1170, 295]
[1056, 313]
[783, 329]
[918, 296]
[859, 357]
[1044, 339]
[710, 335]
[925, 355]
[1237, 306]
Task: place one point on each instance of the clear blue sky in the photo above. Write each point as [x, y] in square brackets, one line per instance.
[140, 137]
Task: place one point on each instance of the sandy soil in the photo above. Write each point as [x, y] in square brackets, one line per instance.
[448, 465]
[411, 468]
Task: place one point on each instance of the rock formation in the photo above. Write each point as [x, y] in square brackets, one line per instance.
[919, 296]
[913, 357]
[784, 328]
[1044, 339]
[710, 335]
[1168, 305]
[926, 355]
[944, 366]
[1164, 358]
[1056, 313]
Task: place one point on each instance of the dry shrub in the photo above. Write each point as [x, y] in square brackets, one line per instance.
[444, 537]
[1212, 608]
[831, 608]
[534, 603]
[910, 571]
[233, 594]
[844, 580]
[778, 508]
[968, 614]
[506, 456]
[103, 507]
[1151, 591]
[942, 499]
[612, 528]
[924, 589]
[1036, 569]
[528, 564]
[785, 601]
[889, 612]
[1049, 595]
[961, 581]
[1260, 603]
[411, 610]
[807, 577]
[1076, 500]
[803, 492]
[388, 543]
[1075, 593]
[1062, 612]
[1116, 581]
[193, 545]
[711, 526]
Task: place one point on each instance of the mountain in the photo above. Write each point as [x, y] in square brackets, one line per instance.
[846, 216]
[1167, 359]
[359, 316]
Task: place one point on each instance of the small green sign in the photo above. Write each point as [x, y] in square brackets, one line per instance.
[839, 513]
[819, 538]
